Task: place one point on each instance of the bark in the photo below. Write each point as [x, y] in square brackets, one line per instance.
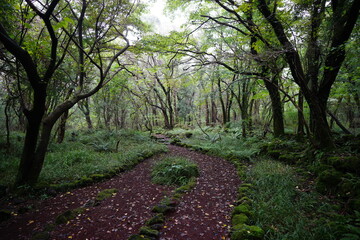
[207, 117]
[62, 126]
[345, 130]
[317, 95]
[300, 128]
[85, 109]
[276, 106]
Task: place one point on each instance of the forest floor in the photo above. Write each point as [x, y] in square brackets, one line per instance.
[202, 213]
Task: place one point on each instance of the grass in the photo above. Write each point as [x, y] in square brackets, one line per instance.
[174, 171]
[285, 210]
[83, 154]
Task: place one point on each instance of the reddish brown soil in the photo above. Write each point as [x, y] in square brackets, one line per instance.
[203, 213]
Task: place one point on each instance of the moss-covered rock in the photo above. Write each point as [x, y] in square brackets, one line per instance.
[345, 163]
[158, 218]
[243, 191]
[247, 232]
[239, 219]
[98, 177]
[138, 237]
[349, 186]
[68, 215]
[244, 200]
[4, 215]
[163, 208]
[328, 180]
[41, 236]
[104, 194]
[242, 209]
[149, 232]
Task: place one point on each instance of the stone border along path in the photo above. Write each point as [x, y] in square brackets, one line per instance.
[203, 213]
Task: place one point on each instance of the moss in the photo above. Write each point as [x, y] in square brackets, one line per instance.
[84, 181]
[239, 219]
[138, 237]
[248, 185]
[177, 196]
[68, 215]
[243, 191]
[104, 194]
[147, 231]
[4, 215]
[244, 200]
[41, 236]
[242, 208]
[163, 208]
[250, 232]
[183, 189]
[345, 163]
[328, 180]
[349, 186]
[158, 218]
[97, 177]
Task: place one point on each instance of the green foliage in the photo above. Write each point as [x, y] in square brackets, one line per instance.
[227, 144]
[77, 157]
[174, 171]
[283, 209]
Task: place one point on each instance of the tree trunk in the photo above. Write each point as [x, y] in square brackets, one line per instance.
[276, 106]
[300, 127]
[85, 109]
[207, 117]
[62, 126]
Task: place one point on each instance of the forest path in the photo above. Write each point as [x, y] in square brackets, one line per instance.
[203, 213]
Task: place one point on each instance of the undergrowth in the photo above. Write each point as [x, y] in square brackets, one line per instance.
[284, 209]
[221, 143]
[82, 154]
[174, 171]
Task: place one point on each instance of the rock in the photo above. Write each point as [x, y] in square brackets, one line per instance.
[149, 232]
[239, 219]
[159, 218]
[242, 209]
[243, 231]
[162, 208]
[138, 237]
[68, 215]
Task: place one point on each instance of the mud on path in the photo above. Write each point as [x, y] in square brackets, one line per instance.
[203, 213]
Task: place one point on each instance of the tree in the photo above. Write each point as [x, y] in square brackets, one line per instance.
[316, 87]
[86, 33]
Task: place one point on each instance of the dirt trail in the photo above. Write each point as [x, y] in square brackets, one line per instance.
[203, 213]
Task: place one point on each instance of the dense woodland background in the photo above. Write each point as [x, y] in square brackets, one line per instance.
[266, 67]
[240, 79]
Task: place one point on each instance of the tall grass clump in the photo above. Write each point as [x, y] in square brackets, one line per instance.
[174, 171]
[284, 209]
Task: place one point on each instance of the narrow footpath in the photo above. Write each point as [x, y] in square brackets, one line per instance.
[203, 213]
